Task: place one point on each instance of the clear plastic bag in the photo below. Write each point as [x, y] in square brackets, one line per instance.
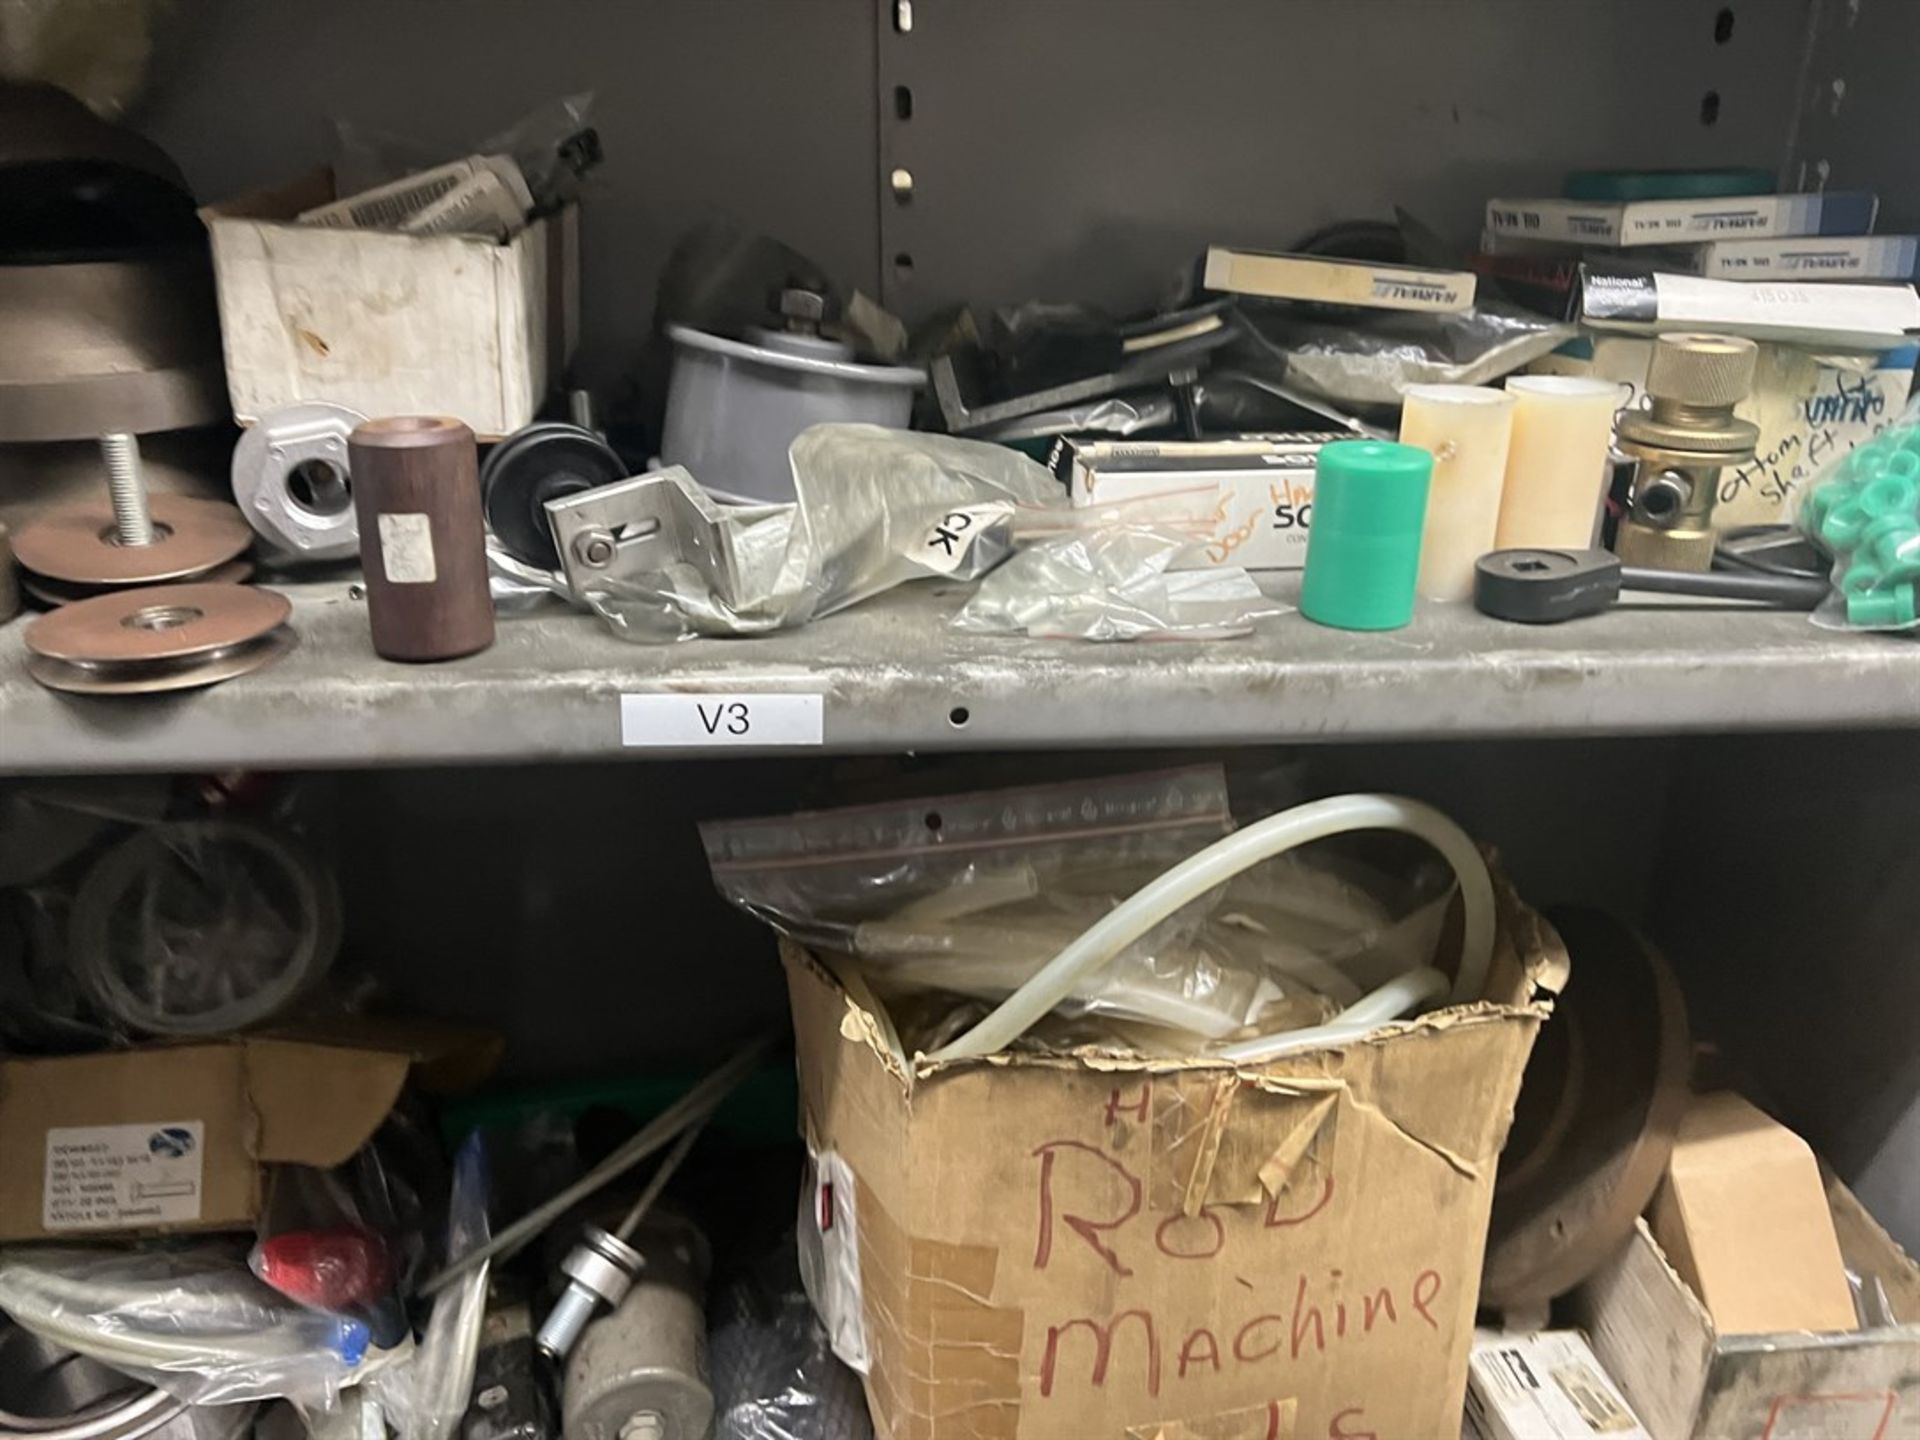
[539, 143]
[1865, 511]
[875, 508]
[1363, 362]
[203, 927]
[971, 894]
[424, 1396]
[1116, 582]
[940, 905]
[191, 1320]
[775, 1376]
[319, 1248]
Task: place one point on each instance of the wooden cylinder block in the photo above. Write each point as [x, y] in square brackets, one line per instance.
[416, 490]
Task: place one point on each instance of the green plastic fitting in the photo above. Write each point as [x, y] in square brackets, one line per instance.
[1890, 609]
[1843, 525]
[1893, 494]
[1859, 578]
[1363, 550]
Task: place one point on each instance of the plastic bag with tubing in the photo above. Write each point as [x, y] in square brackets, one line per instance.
[1115, 582]
[967, 896]
[971, 894]
[424, 1396]
[1365, 361]
[191, 1320]
[775, 1376]
[1864, 510]
[875, 508]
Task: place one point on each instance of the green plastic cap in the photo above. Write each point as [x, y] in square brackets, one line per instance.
[1363, 548]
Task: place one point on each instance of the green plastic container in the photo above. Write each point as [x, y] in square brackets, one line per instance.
[1363, 549]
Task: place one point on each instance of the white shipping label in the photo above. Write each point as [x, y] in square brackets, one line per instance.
[406, 549]
[693, 721]
[830, 1259]
[112, 1176]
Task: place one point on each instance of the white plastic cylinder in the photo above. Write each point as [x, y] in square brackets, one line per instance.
[1557, 462]
[1466, 428]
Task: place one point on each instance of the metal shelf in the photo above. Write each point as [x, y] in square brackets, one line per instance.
[896, 678]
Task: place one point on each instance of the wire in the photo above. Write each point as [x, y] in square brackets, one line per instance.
[1220, 862]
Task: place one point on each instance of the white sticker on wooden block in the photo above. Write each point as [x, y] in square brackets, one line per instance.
[692, 721]
[111, 1177]
[406, 549]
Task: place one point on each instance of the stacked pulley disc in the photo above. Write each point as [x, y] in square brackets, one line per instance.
[161, 637]
[77, 551]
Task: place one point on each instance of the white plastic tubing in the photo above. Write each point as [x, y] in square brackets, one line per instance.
[1220, 862]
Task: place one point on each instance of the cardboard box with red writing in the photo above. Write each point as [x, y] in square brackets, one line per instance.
[1063, 1248]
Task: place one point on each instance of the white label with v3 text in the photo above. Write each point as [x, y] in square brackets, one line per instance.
[682, 722]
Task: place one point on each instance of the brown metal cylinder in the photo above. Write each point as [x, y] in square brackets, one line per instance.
[416, 489]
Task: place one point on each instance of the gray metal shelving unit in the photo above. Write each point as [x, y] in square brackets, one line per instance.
[895, 677]
[1743, 784]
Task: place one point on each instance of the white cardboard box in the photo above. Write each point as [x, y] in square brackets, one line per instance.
[1256, 491]
[1546, 1385]
[390, 324]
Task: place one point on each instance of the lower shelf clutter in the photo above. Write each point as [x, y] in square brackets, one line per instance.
[1123, 1109]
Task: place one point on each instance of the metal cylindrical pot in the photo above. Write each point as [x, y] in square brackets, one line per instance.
[734, 407]
[640, 1371]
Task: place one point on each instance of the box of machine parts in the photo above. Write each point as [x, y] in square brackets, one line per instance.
[1543, 1386]
[1073, 1244]
[177, 1137]
[1255, 492]
[388, 323]
[1811, 411]
[1688, 1381]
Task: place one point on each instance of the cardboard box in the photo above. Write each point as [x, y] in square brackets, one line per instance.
[176, 1138]
[390, 324]
[1547, 1385]
[1743, 1217]
[1254, 494]
[1066, 1248]
[1687, 1381]
[1811, 411]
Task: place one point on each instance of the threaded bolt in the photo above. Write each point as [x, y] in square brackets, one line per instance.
[644, 1425]
[131, 523]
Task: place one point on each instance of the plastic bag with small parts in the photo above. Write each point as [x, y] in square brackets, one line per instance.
[1865, 511]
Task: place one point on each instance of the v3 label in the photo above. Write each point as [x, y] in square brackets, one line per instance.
[687, 722]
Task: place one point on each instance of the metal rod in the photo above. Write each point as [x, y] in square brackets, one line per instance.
[658, 1181]
[1788, 592]
[691, 1108]
[131, 523]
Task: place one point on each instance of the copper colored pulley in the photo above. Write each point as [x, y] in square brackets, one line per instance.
[54, 593]
[78, 544]
[162, 637]
[1597, 1113]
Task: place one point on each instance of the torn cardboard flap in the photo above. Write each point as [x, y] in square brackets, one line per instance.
[174, 1137]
